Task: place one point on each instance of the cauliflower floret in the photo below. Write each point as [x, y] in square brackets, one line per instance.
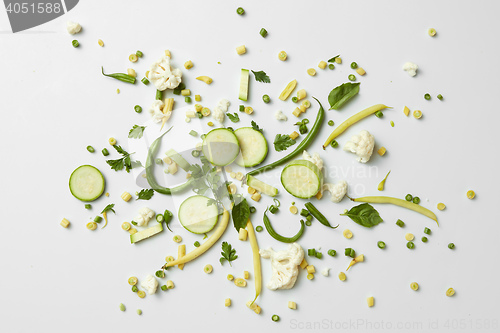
[285, 266]
[220, 110]
[163, 75]
[144, 216]
[325, 271]
[73, 27]
[361, 145]
[314, 159]
[150, 284]
[156, 111]
[410, 68]
[337, 191]
[279, 115]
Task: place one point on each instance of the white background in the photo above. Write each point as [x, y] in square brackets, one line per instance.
[54, 102]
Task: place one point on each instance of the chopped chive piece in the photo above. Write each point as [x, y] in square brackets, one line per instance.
[331, 123]
[266, 98]
[427, 96]
[263, 32]
[379, 114]
[309, 218]
[88, 206]
[350, 252]
[164, 287]
[440, 97]
[381, 245]
[304, 212]
[253, 209]
[424, 239]
[308, 223]
[331, 66]
[90, 149]
[332, 252]
[275, 317]
[410, 245]
[138, 108]
[451, 246]
[193, 133]
[160, 218]
[242, 108]
[105, 152]
[197, 244]
[400, 223]
[160, 274]
[295, 99]
[240, 11]
[259, 228]
[145, 81]
[409, 197]
[319, 255]
[75, 43]
[416, 200]
[352, 77]
[273, 209]
[139, 54]
[134, 288]
[334, 144]
[98, 219]
[187, 99]
[354, 65]
[177, 91]
[195, 153]
[311, 252]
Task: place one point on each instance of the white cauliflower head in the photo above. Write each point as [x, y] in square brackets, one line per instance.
[285, 266]
[337, 191]
[279, 115]
[314, 159]
[163, 75]
[361, 145]
[150, 284]
[73, 27]
[145, 215]
[410, 68]
[219, 112]
[156, 111]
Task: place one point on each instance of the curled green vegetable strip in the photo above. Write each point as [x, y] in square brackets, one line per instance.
[277, 236]
[120, 76]
[150, 177]
[303, 145]
[317, 215]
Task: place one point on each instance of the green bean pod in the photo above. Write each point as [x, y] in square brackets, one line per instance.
[277, 236]
[318, 216]
[303, 145]
[120, 76]
[150, 177]
[159, 94]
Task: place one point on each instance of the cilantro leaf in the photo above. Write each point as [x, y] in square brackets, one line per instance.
[283, 141]
[108, 208]
[234, 118]
[261, 76]
[333, 59]
[136, 132]
[256, 127]
[121, 162]
[228, 253]
[145, 194]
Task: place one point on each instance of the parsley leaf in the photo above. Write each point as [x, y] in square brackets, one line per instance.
[256, 127]
[108, 208]
[137, 164]
[145, 194]
[333, 59]
[136, 132]
[121, 162]
[283, 141]
[261, 76]
[234, 118]
[228, 253]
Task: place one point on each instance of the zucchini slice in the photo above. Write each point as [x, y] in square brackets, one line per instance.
[86, 183]
[302, 179]
[221, 146]
[197, 216]
[253, 147]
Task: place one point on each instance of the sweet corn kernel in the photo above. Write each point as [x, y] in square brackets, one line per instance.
[251, 190]
[347, 233]
[370, 301]
[322, 64]
[167, 160]
[311, 71]
[450, 292]
[65, 223]
[100, 42]
[227, 302]
[319, 195]
[304, 264]
[441, 206]
[360, 71]
[406, 111]
[241, 50]
[338, 60]
[292, 305]
[252, 305]
[294, 210]
[382, 151]
[310, 276]
[246, 274]
[302, 108]
[197, 98]
[172, 168]
[294, 135]
[211, 124]
[257, 310]
[188, 64]
[256, 196]
[242, 235]
[126, 196]
[230, 277]
[311, 269]
[342, 276]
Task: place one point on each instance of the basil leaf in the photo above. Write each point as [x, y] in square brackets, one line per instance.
[364, 215]
[241, 213]
[342, 94]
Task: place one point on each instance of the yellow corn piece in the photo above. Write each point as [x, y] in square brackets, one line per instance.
[414, 286]
[170, 284]
[168, 54]
[188, 64]
[227, 302]
[133, 57]
[342, 276]
[181, 252]
[370, 301]
[409, 237]
[197, 98]
[65, 223]
[347, 233]
[257, 310]
[311, 71]
[206, 112]
[131, 72]
[297, 112]
[126, 226]
[256, 196]
[441, 206]
[100, 42]
[294, 135]
[360, 71]
[132, 231]
[319, 195]
[322, 64]
[208, 269]
[292, 305]
[198, 107]
[172, 168]
[246, 274]
[185, 92]
[310, 276]
[251, 190]
[338, 60]
[406, 111]
[288, 90]
[206, 79]
[141, 294]
[304, 264]
[417, 114]
[167, 160]
[382, 151]
[177, 239]
[306, 104]
[240, 282]
[450, 292]
[242, 235]
[301, 94]
[241, 50]
[282, 56]
[239, 176]
[248, 110]
[169, 106]
[252, 305]
[471, 194]
[311, 269]
[126, 196]
[230, 277]
[294, 210]
[112, 141]
[302, 108]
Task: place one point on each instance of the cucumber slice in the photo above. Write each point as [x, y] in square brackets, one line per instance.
[245, 75]
[220, 146]
[197, 216]
[86, 183]
[253, 147]
[178, 159]
[261, 186]
[302, 179]
[143, 234]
